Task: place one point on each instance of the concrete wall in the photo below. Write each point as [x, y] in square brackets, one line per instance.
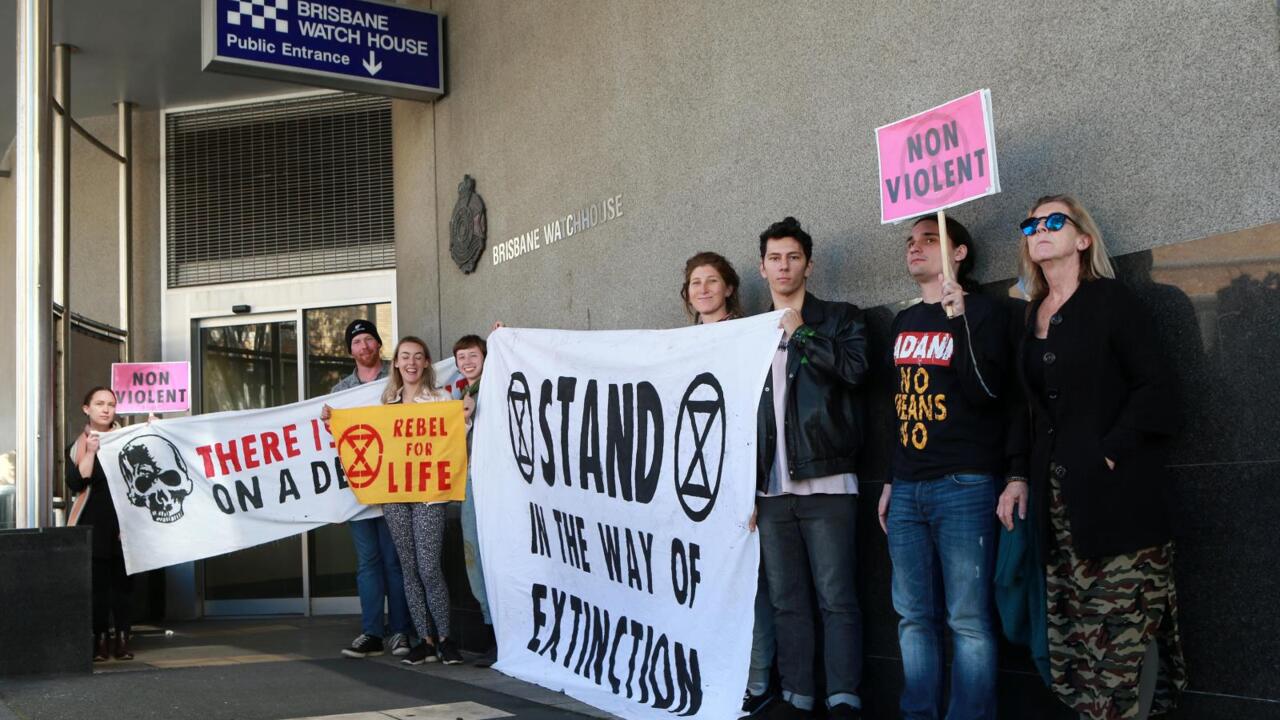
[714, 119]
[417, 254]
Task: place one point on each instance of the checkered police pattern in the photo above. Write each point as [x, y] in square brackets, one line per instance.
[258, 13]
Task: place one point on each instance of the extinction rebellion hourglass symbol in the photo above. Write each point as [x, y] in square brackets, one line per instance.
[364, 442]
[520, 423]
[699, 456]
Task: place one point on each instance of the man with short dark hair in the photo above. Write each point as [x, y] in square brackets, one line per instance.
[810, 430]
[378, 574]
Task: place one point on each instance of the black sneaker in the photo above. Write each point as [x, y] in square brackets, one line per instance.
[449, 654]
[752, 704]
[844, 712]
[423, 653]
[489, 657]
[364, 646]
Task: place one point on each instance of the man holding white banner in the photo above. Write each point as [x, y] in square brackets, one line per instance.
[619, 480]
[810, 424]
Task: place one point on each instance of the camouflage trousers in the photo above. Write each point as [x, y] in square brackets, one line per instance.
[1103, 615]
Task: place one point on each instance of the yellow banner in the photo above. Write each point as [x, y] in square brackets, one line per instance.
[414, 452]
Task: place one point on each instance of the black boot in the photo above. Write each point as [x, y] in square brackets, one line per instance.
[490, 655]
[122, 651]
[100, 650]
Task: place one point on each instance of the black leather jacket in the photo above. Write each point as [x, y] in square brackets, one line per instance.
[826, 366]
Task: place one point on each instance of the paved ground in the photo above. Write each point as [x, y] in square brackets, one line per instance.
[276, 670]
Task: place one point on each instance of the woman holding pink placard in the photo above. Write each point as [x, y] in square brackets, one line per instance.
[112, 588]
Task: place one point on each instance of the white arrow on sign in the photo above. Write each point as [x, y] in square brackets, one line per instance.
[372, 65]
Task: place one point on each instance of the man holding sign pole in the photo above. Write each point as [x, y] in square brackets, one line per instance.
[951, 357]
[809, 432]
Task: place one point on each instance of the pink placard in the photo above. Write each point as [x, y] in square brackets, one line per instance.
[151, 387]
[938, 158]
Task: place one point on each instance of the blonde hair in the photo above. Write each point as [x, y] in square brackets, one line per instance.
[1095, 263]
[395, 383]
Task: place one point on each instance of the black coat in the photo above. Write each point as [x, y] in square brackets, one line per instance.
[826, 366]
[98, 511]
[1108, 394]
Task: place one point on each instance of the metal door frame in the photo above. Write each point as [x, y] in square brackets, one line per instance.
[185, 312]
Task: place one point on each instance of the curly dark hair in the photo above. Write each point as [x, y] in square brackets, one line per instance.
[784, 228]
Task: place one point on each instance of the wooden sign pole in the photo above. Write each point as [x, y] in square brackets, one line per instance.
[944, 244]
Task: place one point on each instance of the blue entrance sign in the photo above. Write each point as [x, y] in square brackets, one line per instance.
[370, 47]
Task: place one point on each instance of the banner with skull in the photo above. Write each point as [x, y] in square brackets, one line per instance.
[194, 487]
[614, 477]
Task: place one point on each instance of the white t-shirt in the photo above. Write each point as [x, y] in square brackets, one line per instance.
[780, 482]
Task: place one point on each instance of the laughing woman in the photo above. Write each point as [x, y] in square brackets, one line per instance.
[1102, 416]
[417, 529]
[112, 588]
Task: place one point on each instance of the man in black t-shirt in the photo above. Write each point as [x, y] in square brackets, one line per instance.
[938, 505]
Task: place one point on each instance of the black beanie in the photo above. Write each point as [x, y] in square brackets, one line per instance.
[358, 327]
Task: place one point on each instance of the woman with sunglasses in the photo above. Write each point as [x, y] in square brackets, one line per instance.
[1102, 414]
[112, 588]
[417, 529]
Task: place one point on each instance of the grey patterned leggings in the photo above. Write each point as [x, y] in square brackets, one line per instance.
[417, 529]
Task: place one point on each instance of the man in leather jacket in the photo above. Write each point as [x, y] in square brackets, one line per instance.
[809, 433]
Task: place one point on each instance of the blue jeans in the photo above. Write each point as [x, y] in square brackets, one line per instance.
[808, 546]
[471, 552]
[942, 541]
[763, 638]
[377, 576]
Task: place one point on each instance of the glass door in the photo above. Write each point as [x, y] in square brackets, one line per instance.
[331, 557]
[249, 363]
[258, 361]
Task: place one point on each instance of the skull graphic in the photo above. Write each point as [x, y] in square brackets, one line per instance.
[156, 477]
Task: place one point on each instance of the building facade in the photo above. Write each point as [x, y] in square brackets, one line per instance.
[628, 137]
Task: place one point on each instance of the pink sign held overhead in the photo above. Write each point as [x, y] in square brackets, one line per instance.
[151, 387]
[938, 158]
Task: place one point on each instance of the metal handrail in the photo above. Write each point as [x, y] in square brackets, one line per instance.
[110, 332]
[85, 134]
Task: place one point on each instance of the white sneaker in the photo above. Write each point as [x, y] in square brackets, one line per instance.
[398, 644]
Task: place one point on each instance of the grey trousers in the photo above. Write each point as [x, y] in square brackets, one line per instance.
[417, 529]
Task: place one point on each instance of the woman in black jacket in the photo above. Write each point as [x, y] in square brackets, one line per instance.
[1102, 413]
[112, 588]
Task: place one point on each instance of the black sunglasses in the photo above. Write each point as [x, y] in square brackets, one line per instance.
[1053, 222]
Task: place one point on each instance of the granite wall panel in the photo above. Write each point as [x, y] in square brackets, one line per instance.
[45, 620]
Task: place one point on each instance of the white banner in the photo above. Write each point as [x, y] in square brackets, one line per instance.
[194, 487]
[614, 476]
